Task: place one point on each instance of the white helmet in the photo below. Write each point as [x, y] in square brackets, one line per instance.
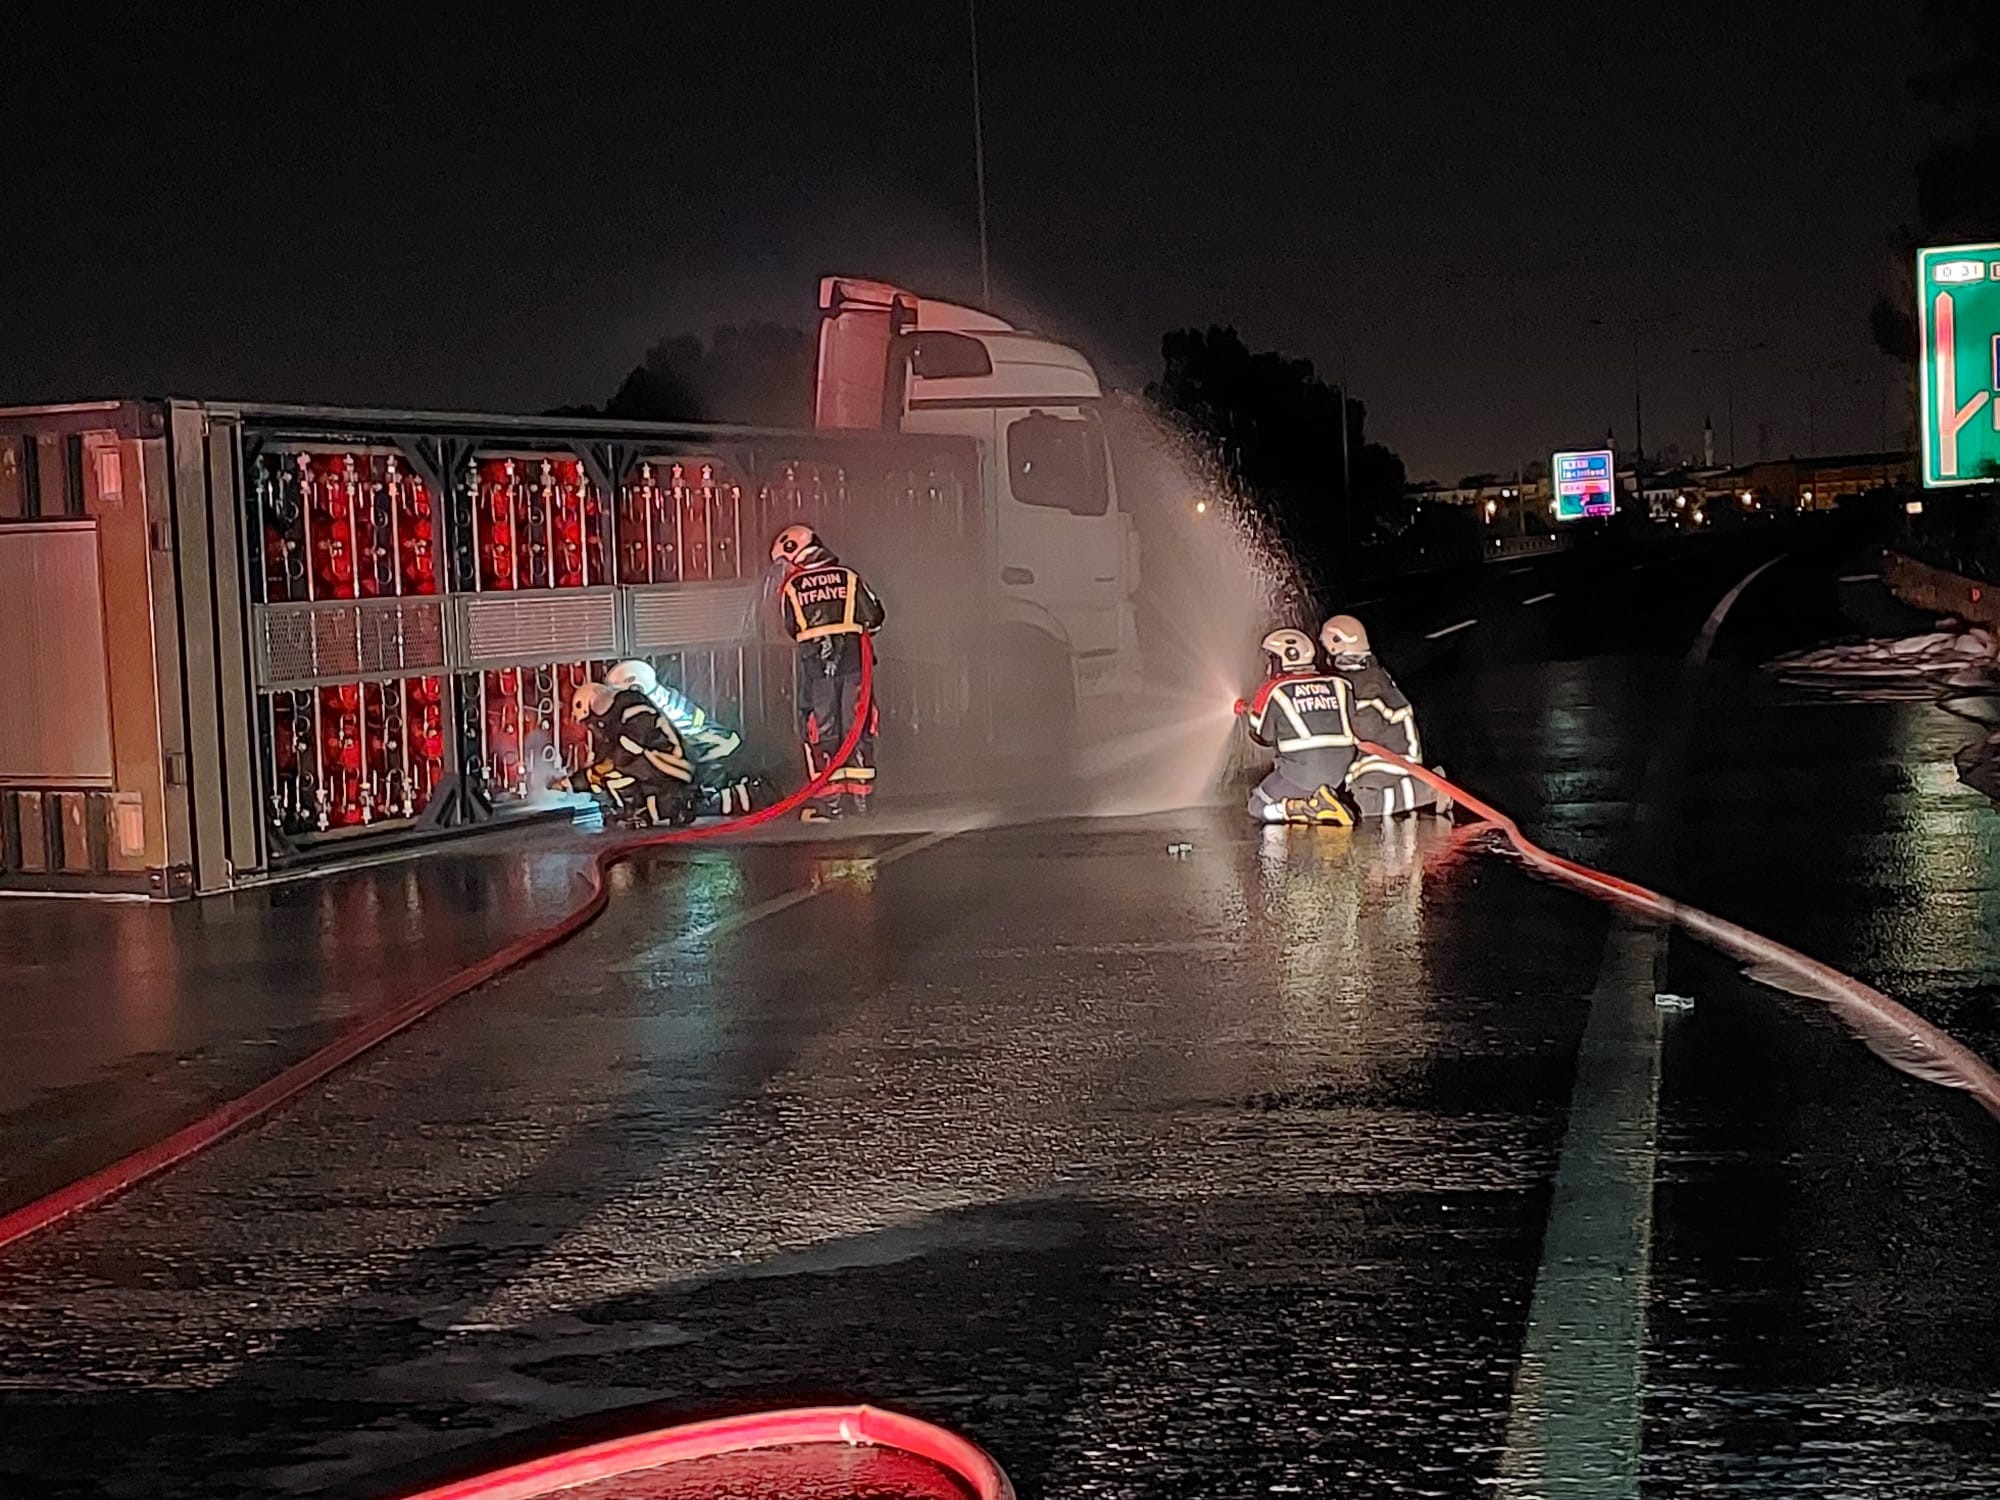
[639, 676]
[1292, 650]
[590, 700]
[797, 544]
[1345, 637]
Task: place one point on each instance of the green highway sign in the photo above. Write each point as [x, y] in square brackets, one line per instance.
[1958, 302]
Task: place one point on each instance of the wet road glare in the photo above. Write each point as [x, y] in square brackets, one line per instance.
[1310, 1163]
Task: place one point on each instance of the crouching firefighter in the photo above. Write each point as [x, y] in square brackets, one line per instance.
[640, 769]
[828, 611]
[724, 786]
[1307, 717]
[1382, 716]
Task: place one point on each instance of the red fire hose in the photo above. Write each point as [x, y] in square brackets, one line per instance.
[228, 1118]
[1895, 1033]
[970, 1469]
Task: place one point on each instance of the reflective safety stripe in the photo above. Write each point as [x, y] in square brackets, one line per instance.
[1283, 700]
[1378, 766]
[1393, 715]
[855, 773]
[845, 625]
[1305, 738]
[666, 765]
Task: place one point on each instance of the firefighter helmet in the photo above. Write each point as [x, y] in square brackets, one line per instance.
[590, 700]
[1292, 650]
[797, 544]
[639, 676]
[1345, 638]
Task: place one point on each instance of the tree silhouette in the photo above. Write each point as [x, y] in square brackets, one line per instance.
[1958, 190]
[1276, 427]
[753, 374]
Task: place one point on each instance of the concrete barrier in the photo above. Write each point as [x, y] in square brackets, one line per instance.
[1922, 586]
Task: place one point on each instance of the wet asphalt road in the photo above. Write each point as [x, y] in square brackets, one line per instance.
[1251, 1172]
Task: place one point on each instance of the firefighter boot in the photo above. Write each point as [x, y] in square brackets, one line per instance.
[1298, 810]
[1327, 808]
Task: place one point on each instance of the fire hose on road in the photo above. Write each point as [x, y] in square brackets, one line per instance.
[1897, 1034]
[281, 1089]
[1894, 1032]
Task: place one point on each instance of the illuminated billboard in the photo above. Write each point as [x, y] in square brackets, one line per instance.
[1585, 484]
[1958, 306]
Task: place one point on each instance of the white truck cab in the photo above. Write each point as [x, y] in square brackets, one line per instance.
[1066, 557]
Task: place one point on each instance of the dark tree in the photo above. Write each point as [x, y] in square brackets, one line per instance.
[1958, 190]
[1275, 426]
[758, 374]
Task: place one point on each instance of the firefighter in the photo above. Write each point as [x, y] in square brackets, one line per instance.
[1382, 716]
[827, 610]
[641, 770]
[1307, 717]
[723, 785]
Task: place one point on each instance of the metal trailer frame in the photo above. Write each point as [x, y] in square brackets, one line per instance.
[195, 653]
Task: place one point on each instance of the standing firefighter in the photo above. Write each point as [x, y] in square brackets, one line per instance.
[1382, 716]
[641, 770]
[828, 610]
[1307, 717]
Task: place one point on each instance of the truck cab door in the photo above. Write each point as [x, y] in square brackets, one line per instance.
[1063, 540]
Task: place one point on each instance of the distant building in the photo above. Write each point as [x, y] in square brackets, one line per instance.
[1501, 494]
[1810, 483]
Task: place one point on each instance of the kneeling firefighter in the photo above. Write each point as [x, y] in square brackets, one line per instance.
[641, 770]
[1382, 716]
[724, 786]
[1307, 717]
[827, 609]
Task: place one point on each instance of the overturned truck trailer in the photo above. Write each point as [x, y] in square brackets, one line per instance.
[236, 638]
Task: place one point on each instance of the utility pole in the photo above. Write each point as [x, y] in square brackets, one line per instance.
[1638, 401]
[1730, 354]
[1346, 468]
[979, 159]
[1812, 374]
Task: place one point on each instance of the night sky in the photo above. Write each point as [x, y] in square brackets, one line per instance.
[1433, 200]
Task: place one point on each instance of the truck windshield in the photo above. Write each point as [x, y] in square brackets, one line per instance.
[1058, 462]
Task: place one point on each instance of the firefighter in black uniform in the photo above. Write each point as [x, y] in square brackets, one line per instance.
[1307, 717]
[1382, 716]
[828, 610]
[641, 771]
[724, 785]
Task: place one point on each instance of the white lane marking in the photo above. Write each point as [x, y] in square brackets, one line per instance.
[1699, 652]
[1859, 577]
[1637, 566]
[785, 901]
[1438, 635]
[1573, 1429]
[1540, 598]
[1524, 568]
[1574, 1425]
